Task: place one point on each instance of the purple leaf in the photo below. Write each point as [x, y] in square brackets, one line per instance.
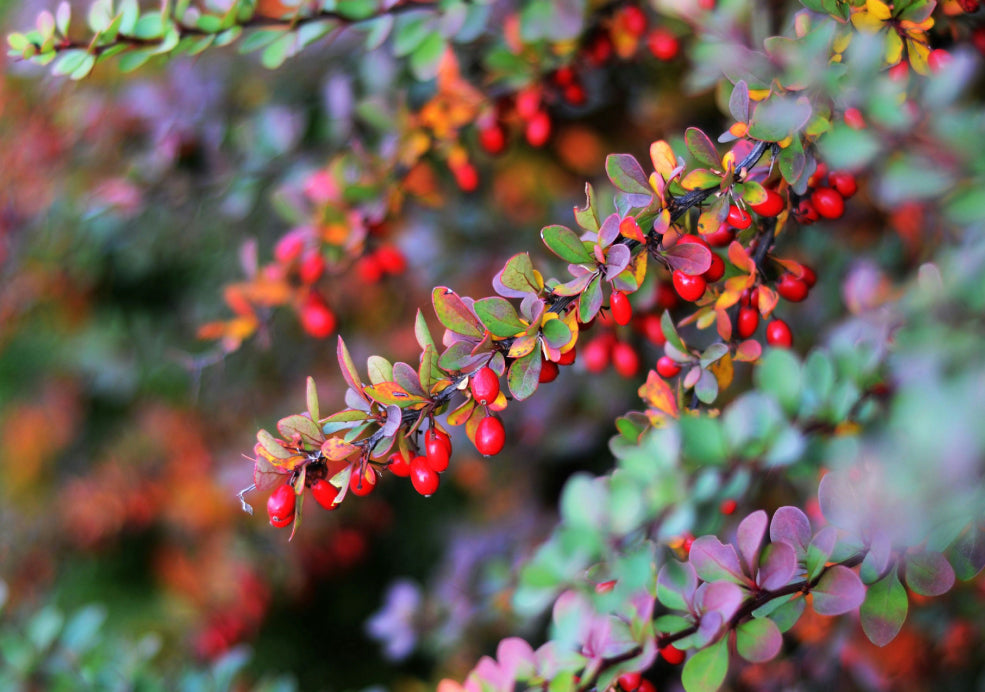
[516, 657]
[626, 174]
[928, 573]
[884, 610]
[738, 103]
[454, 313]
[791, 526]
[676, 583]
[708, 628]
[778, 566]
[967, 553]
[723, 597]
[749, 539]
[524, 375]
[876, 561]
[701, 147]
[616, 259]
[759, 640]
[713, 561]
[689, 258]
[820, 549]
[838, 499]
[609, 230]
[838, 591]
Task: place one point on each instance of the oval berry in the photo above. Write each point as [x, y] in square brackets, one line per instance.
[739, 218]
[324, 493]
[667, 367]
[317, 319]
[671, 653]
[390, 259]
[548, 371]
[716, 270]
[437, 450]
[625, 359]
[646, 686]
[828, 203]
[424, 479]
[439, 435]
[596, 354]
[281, 504]
[630, 682]
[538, 129]
[663, 44]
[728, 506]
[778, 334]
[688, 287]
[492, 138]
[792, 288]
[771, 206]
[622, 311]
[312, 267]
[721, 237]
[747, 322]
[484, 385]
[652, 330]
[362, 485]
[568, 357]
[369, 270]
[843, 182]
[809, 277]
[490, 436]
[399, 464]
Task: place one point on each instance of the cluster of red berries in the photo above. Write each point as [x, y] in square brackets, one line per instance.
[826, 199]
[635, 682]
[385, 259]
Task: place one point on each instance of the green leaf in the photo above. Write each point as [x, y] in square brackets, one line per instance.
[701, 147]
[100, 15]
[454, 314]
[426, 57]
[69, 61]
[758, 641]
[524, 375]
[379, 369]
[556, 333]
[587, 216]
[348, 368]
[298, 428]
[277, 52]
[18, 41]
[356, 9]
[422, 333]
[706, 670]
[787, 614]
[928, 573]
[626, 174]
[670, 332]
[583, 502]
[63, 16]
[149, 26]
[392, 394]
[703, 440]
[738, 103]
[778, 117]
[845, 148]
[884, 609]
[778, 373]
[590, 300]
[130, 13]
[499, 316]
[701, 179]
[259, 39]
[411, 30]
[563, 242]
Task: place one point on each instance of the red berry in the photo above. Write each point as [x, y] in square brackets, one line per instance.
[492, 138]
[806, 213]
[688, 287]
[716, 270]
[854, 119]
[568, 357]
[721, 237]
[688, 542]
[666, 297]
[312, 267]
[844, 183]
[484, 385]
[646, 686]
[663, 44]
[622, 311]
[528, 103]
[399, 464]
[390, 259]
[317, 319]
[671, 653]
[490, 436]
[538, 129]
[938, 59]
[291, 245]
[548, 371]
[362, 484]
[599, 50]
[324, 493]
[597, 353]
[791, 288]
[809, 277]
[625, 359]
[466, 177]
[423, 477]
[369, 269]
[575, 94]
[739, 218]
[747, 322]
[728, 506]
[819, 176]
[828, 203]
[633, 19]
[605, 586]
[778, 334]
[437, 449]
[280, 505]
[667, 367]
[652, 330]
[630, 681]
[691, 238]
[565, 75]
[772, 206]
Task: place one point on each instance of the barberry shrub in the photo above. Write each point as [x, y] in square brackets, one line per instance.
[779, 471]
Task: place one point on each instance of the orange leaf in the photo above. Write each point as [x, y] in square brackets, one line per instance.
[630, 229]
[336, 449]
[738, 256]
[658, 394]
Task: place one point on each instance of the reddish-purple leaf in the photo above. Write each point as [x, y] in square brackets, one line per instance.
[838, 499]
[928, 573]
[838, 591]
[758, 640]
[459, 356]
[676, 583]
[749, 539]
[689, 258]
[406, 377]
[575, 285]
[300, 428]
[349, 372]
[738, 103]
[819, 550]
[516, 657]
[723, 597]
[616, 259]
[778, 566]
[266, 476]
[884, 609]
[517, 278]
[714, 561]
[454, 314]
[626, 174]
[791, 526]
[709, 628]
[524, 375]
[609, 230]
[876, 560]
[701, 147]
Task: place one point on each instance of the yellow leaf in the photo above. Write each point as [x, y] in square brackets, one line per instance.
[894, 48]
[522, 346]
[878, 9]
[918, 53]
[658, 394]
[758, 94]
[867, 23]
[662, 156]
[723, 371]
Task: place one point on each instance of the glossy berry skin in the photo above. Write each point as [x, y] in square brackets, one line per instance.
[792, 288]
[688, 287]
[490, 436]
[667, 368]
[484, 385]
[399, 464]
[671, 653]
[721, 237]
[663, 44]
[646, 686]
[630, 682]
[773, 205]
[652, 330]
[716, 270]
[317, 319]
[324, 494]
[568, 357]
[548, 372]
[739, 218]
[281, 504]
[806, 213]
[843, 182]
[622, 311]
[424, 479]
[361, 486]
[778, 334]
[747, 322]
[828, 203]
[809, 277]
[437, 449]
[625, 359]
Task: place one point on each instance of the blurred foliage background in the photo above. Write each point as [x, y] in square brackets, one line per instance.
[126, 205]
